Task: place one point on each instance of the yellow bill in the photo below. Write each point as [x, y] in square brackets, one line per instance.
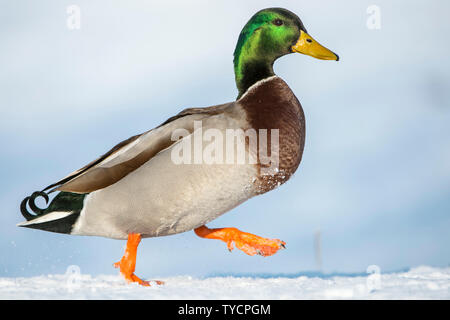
[307, 45]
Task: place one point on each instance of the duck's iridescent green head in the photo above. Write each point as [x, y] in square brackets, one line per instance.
[268, 35]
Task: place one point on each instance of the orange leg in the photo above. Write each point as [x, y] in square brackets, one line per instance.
[247, 242]
[127, 264]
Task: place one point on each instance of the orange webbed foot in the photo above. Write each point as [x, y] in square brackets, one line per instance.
[249, 243]
[131, 277]
[252, 244]
[128, 262]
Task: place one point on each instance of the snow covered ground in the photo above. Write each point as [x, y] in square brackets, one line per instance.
[418, 283]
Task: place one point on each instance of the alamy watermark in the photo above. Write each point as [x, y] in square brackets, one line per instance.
[73, 21]
[374, 19]
[229, 146]
[373, 281]
[73, 278]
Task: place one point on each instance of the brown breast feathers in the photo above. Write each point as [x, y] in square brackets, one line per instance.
[270, 104]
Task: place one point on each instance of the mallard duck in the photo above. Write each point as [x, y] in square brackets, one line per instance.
[141, 188]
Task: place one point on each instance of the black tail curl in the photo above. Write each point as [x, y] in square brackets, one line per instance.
[31, 203]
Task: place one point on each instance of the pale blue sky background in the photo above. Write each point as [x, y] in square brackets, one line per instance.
[375, 176]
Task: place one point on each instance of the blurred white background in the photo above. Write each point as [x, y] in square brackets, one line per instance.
[375, 175]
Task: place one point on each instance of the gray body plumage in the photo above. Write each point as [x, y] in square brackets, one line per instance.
[161, 197]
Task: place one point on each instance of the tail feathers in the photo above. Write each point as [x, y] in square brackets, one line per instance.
[31, 203]
[59, 216]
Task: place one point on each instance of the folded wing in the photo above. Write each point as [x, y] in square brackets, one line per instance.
[130, 154]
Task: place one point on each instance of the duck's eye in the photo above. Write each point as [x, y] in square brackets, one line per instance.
[309, 40]
[277, 22]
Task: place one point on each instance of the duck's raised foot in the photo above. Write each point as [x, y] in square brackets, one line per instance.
[249, 243]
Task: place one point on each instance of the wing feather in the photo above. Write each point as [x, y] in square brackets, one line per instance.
[131, 153]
